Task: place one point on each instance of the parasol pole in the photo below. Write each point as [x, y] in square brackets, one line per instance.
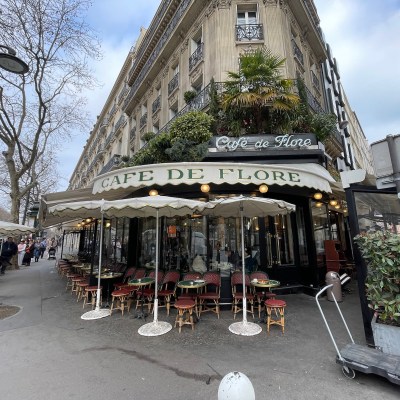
[98, 312]
[243, 267]
[156, 274]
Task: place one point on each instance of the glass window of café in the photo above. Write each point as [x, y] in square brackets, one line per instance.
[200, 243]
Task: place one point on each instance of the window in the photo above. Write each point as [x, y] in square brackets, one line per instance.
[247, 14]
[247, 25]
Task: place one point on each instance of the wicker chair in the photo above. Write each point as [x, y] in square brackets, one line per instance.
[261, 294]
[168, 288]
[211, 294]
[237, 293]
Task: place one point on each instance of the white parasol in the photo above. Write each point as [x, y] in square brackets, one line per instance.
[153, 206]
[249, 207]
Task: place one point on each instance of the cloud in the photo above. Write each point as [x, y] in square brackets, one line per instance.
[363, 35]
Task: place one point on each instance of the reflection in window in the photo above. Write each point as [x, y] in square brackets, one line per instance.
[301, 230]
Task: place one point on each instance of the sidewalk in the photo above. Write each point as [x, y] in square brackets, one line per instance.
[49, 352]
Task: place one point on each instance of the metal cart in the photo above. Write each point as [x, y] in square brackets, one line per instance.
[354, 357]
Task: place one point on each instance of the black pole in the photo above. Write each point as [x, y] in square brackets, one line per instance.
[93, 250]
[62, 243]
[361, 267]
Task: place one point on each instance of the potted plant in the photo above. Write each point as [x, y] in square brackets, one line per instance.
[381, 251]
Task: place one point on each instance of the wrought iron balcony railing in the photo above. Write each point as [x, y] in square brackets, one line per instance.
[156, 105]
[132, 134]
[121, 121]
[114, 161]
[173, 83]
[297, 52]
[143, 120]
[315, 81]
[313, 102]
[249, 32]
[196, 56]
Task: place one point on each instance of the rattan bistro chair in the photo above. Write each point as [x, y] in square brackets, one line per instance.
[168, 288]
[211, 293]
[261, 294]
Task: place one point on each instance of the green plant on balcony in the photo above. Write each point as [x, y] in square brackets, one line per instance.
[381, 251]
[304, 120]
[193, 126]
[189, 96]
[257, 96]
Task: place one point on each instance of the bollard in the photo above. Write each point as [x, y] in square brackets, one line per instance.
[236, 386]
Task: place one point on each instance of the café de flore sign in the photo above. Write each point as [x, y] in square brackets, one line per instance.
[263, 142]
[303, 175]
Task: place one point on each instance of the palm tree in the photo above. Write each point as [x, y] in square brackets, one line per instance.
[259, 93]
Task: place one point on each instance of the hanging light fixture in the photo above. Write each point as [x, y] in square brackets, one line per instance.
[319, 204]
[153, 192]
[205, 188]
[333, 202]
[337, 206]
[88, 220]
[317, 196]
[263, 188]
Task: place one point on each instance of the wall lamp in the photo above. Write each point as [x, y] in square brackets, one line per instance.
[153, 192]
[263, 188]
[205, 188]
[318, 196]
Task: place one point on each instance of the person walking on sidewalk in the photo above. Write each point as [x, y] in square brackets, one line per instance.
[36, 250]
[9, 249]
[28, 253]
[21, 252]
[43, 245]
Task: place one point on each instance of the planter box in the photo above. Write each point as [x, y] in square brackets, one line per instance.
[386, 337]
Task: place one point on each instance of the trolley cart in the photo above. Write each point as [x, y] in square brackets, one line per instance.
[354, 357]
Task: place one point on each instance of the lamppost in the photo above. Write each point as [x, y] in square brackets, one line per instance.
[11, 63]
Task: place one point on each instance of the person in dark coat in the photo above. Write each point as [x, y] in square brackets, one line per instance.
[30, 247]
[8, 250]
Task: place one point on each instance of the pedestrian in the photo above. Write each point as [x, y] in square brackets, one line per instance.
[43, 245]
[9, 249]
[21, 252]
[36, 250]
[28, 253]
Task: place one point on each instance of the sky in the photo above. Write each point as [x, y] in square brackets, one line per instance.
[363, 35]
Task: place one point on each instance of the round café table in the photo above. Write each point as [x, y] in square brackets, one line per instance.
[264, 284]
[108, 277]
[193, 284]
[141, 283]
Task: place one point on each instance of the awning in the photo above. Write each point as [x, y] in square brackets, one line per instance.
[301, 175]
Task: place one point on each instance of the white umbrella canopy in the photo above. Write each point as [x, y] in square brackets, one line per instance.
[249, 207]
[148, 206]
[77, 210]
[9, 228]
[153, 206]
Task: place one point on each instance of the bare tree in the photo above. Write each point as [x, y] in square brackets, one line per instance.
[40, 109]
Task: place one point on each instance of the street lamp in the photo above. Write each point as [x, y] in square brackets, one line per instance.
[11, 63]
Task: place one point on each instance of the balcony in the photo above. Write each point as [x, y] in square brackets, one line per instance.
[143, 120]
[173, 84]
[315, 81]
[246, 33]
[196, 56]
[113, 110]
[120, 123]
[298, 55]
[103, 124]
[114, 161]
[123, 94]
[156, 105]
[313, 102]
[200, 102]
[132, 134]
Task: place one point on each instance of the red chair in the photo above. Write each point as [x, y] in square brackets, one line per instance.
[127, 275]
[212, 293]
[237, 293]
[147, 293]
[168, 288]
[260, 293]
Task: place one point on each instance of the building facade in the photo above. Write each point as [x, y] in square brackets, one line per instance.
[187, 44]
